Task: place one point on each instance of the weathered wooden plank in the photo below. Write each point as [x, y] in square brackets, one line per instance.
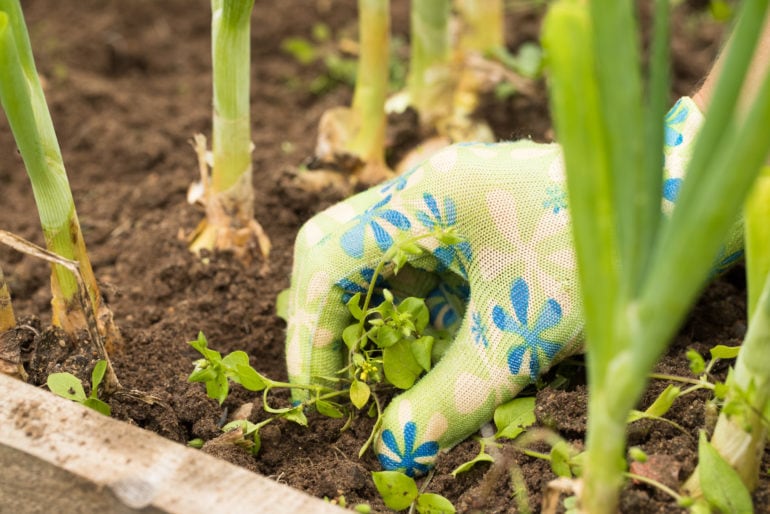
[57, 456]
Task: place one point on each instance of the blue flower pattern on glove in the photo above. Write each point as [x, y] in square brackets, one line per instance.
[351, 287]
[556, 198]
[399, 182]
[479, 330]
[725, 261]
[443, 312]
[550, 316]
[352, 241]
[677, 114]
[433, 219]
[671, 189]
[409, 458]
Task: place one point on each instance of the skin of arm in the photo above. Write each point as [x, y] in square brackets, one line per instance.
[757, 71]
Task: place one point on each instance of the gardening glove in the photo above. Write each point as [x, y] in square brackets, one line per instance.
[509, 289]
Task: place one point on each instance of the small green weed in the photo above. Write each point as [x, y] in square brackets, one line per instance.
[399, 492]
[68, 386]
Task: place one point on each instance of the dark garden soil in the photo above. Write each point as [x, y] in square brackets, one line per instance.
[128, 84]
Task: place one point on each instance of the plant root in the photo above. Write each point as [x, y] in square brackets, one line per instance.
[229, 224]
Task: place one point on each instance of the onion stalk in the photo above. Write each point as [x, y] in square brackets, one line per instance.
[430, 82]
[24, 103]
[228, 190]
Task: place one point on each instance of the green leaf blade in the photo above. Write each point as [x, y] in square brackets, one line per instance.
[432, 503]
[513, 417]
[67, 386]
[721, 484]
[398, 491]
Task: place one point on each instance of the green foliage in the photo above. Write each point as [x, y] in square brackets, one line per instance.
[68, 386]
[721, 351]
[393, 340]
[561, 459]
[249, 431]
[513, 417]
[659, 407]
[216, 371]
[338, 59]
[482, 456]
[399, 492]
[527, 62]
[639, 275]
[721, 485]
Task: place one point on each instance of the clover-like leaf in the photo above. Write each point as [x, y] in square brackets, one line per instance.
[422, 349]
[351, 335]
[398, 490]
[385, 335]
[354, 306]
[432, 503]
[513, 417]
[359, 393]
[697, 362]
[98, 405]
[328, 409]
[466, 466]
[560, 459]
[417, 310]
[67, 386]
[400, 365]
[297, 415]
[722, 351]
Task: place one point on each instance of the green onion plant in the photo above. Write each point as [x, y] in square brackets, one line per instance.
[639, 274]
[23, 101]
[430, 82]
[371, 83]
[228, 191]
[741, 430]
[353, 139]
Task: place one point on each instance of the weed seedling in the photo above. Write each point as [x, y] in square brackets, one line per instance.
[399, 492]
[68, 386]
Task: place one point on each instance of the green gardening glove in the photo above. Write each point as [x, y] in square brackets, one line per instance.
[508, 290]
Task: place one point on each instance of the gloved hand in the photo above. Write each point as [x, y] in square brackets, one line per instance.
[514, 275]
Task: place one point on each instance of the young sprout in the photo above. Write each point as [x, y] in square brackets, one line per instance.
[68, 386]
[354, 138]
[24, 103]
[228, 194]
[639, 276]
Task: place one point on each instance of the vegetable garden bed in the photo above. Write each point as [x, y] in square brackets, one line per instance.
[128, 84]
